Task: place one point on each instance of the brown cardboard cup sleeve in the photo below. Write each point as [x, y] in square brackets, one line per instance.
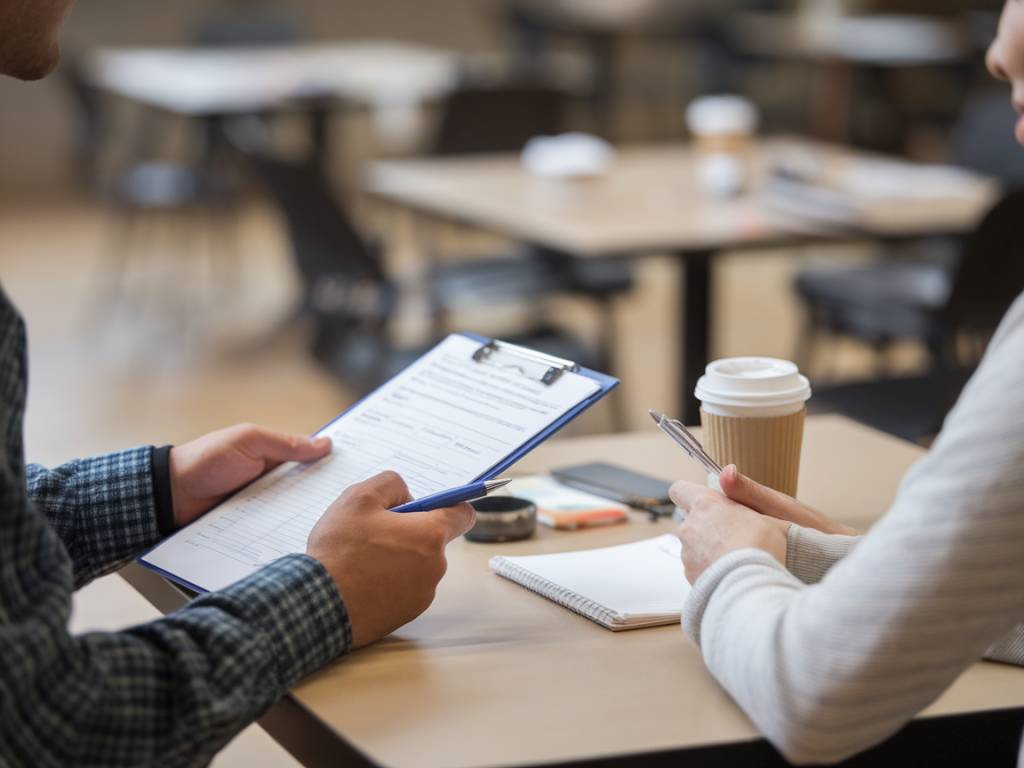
[765, 449]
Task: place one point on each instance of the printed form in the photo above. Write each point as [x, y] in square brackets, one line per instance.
[444, 421]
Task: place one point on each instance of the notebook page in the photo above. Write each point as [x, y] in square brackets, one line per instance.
[441, 423]
[630, 585]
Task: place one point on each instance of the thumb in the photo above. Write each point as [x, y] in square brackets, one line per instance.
[450, 522]
[750, 493]
[389, 487]
[277, 447]
[455, 520]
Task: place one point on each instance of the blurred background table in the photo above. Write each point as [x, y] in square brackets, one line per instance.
[389, 77]
[650, 203]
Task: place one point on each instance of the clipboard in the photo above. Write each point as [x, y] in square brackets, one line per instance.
[546, 369]
[539, 367]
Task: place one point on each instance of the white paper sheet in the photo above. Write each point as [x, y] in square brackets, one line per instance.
[441, 423]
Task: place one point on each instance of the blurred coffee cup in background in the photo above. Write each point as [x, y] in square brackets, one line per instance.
[723, 128]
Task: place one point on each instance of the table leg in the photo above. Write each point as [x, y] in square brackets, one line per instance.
[832, 101]
[319, 137]
[695, 327]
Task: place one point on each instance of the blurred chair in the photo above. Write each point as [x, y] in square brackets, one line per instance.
[532, 24]
[243, 25]
[263, 25]
[498, 116]
[908, 407]
[109, 169]
[137, 187]
[503, 117]
[720, 65]
[248, 26]
[603, 29]
[953, 310]
[983, 138]
[347, 291]
[901, 298]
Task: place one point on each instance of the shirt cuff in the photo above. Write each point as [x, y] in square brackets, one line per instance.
[296, 606]
[705, 586]
[115, 519]
[810, 553]
[163, 501]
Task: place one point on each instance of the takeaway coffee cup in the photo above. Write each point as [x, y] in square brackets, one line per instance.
[723, 128]
[752, 413]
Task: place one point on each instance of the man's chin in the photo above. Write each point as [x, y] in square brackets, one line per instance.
[33, 67]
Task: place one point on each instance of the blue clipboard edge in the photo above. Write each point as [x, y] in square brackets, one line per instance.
[607, 384]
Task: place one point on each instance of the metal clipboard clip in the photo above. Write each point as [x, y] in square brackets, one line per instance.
[541, 367]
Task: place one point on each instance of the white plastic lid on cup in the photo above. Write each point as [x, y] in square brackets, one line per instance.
[752, 387]
[721, 115]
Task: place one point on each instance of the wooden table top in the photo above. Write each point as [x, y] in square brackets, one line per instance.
[651, 202]
[493, 674]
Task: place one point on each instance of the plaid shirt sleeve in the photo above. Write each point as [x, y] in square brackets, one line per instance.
[168, 693]
[102, 508]
[172, 692]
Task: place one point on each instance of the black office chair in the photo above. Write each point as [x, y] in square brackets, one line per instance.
[901, 297]
[964, 304]
[483, 117]
[347, 292]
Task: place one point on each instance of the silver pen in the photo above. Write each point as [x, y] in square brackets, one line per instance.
[685, 439]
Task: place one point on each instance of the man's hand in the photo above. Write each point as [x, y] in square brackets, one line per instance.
[206, 470]
[768, 501]
[715, 525]
[386, 565]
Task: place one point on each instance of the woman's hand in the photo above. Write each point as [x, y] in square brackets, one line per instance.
[204, 471]
[716, 525]
[772, 503]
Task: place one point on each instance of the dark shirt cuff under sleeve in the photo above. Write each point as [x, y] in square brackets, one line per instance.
[162, 499]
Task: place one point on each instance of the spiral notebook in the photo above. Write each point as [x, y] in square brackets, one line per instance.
[624, 587]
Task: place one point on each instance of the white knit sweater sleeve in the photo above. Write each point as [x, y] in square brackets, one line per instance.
[810, 554]
[830, 669]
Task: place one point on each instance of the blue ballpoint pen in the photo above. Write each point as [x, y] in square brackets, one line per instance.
[452, 496]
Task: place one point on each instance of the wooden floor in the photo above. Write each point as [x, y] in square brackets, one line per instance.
[194, 341]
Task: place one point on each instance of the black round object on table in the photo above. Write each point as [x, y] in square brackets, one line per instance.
[503, 518]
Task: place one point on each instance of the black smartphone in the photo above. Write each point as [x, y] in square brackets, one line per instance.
[619, 484]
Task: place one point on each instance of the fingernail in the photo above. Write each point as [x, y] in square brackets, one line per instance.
[321, 442]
